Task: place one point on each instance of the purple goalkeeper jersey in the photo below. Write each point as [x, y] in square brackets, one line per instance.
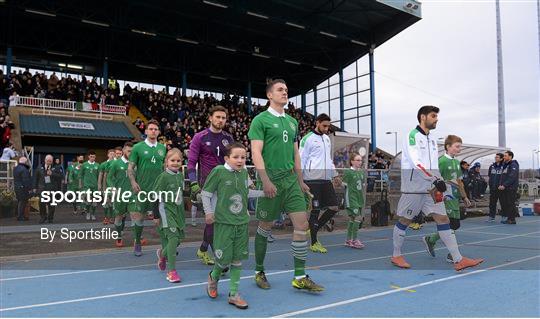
[208, 150]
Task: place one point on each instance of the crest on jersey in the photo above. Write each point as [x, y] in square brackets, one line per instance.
[208, 143]
[263, 214]
[173, 229]
[224, 142]
[219, 253]
[228, 183]
[145, 152]
[355, 210]
[161, 153]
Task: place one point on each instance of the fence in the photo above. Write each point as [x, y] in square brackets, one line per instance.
[50, 104]
[6, 174]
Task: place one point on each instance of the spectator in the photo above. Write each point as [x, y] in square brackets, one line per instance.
[508, 186]
[52, 83]
[494, 174]
[23, 188]
[466, 178]
[8, 153]
[380, 164]
[13, 99]
[478, 184]
[59, 168]
[44, 180]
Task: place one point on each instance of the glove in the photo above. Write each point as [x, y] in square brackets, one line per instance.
[440, 185]
[195, 190]
[438, 197]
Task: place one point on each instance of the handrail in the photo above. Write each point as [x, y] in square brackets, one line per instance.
[64, 105]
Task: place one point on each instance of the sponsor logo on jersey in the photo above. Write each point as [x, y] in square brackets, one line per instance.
[145, 152]
[293, 127]
[224, 142]
[207, 143]
[276, 125]
[219, 253]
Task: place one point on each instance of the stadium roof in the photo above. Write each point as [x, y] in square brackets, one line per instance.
[50, 126]
[222, 44]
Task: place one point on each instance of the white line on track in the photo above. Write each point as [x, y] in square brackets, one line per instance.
[481, 232]
[393, 291]
[76, 254]
[195, 260]
[244, 277]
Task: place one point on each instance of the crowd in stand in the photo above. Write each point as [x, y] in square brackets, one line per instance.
[24, 83]
[180, 116]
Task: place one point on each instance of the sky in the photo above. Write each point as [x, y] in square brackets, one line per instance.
[448, 59]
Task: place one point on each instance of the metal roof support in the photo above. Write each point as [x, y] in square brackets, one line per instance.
[249, 97]
[303, 102]
[184, 83]
[341, 102]
[105, 82]
[9, 60]
[372, 99]
[315, 101]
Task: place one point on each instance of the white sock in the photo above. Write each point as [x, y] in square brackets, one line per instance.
[193, 212]
[449, 239]
[399, 238]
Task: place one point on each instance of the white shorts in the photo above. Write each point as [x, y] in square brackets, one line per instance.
[410, 205]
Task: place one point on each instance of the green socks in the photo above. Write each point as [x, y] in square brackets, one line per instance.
[261, 242]
[352, 230]
[433, 238]
[216, 272]
[234, 275]
[235, 279]
[138, 233]
[299, 251]
[170, 252]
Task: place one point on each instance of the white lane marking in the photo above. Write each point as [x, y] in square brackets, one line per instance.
[393, 291]
[204, 283]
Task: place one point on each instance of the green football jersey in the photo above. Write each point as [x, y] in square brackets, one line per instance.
[73, 172]
[450, 170]
[149, 163]
[231, 189]
[103, 167]
[279, 134]
[118, 175]
[354, 191]
[109, 182]
[89, 175]
[171, 205]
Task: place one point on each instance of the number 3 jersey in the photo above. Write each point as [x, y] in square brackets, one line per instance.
[354, 194]
[229, 191]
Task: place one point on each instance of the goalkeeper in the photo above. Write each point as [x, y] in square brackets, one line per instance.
[206, 151]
